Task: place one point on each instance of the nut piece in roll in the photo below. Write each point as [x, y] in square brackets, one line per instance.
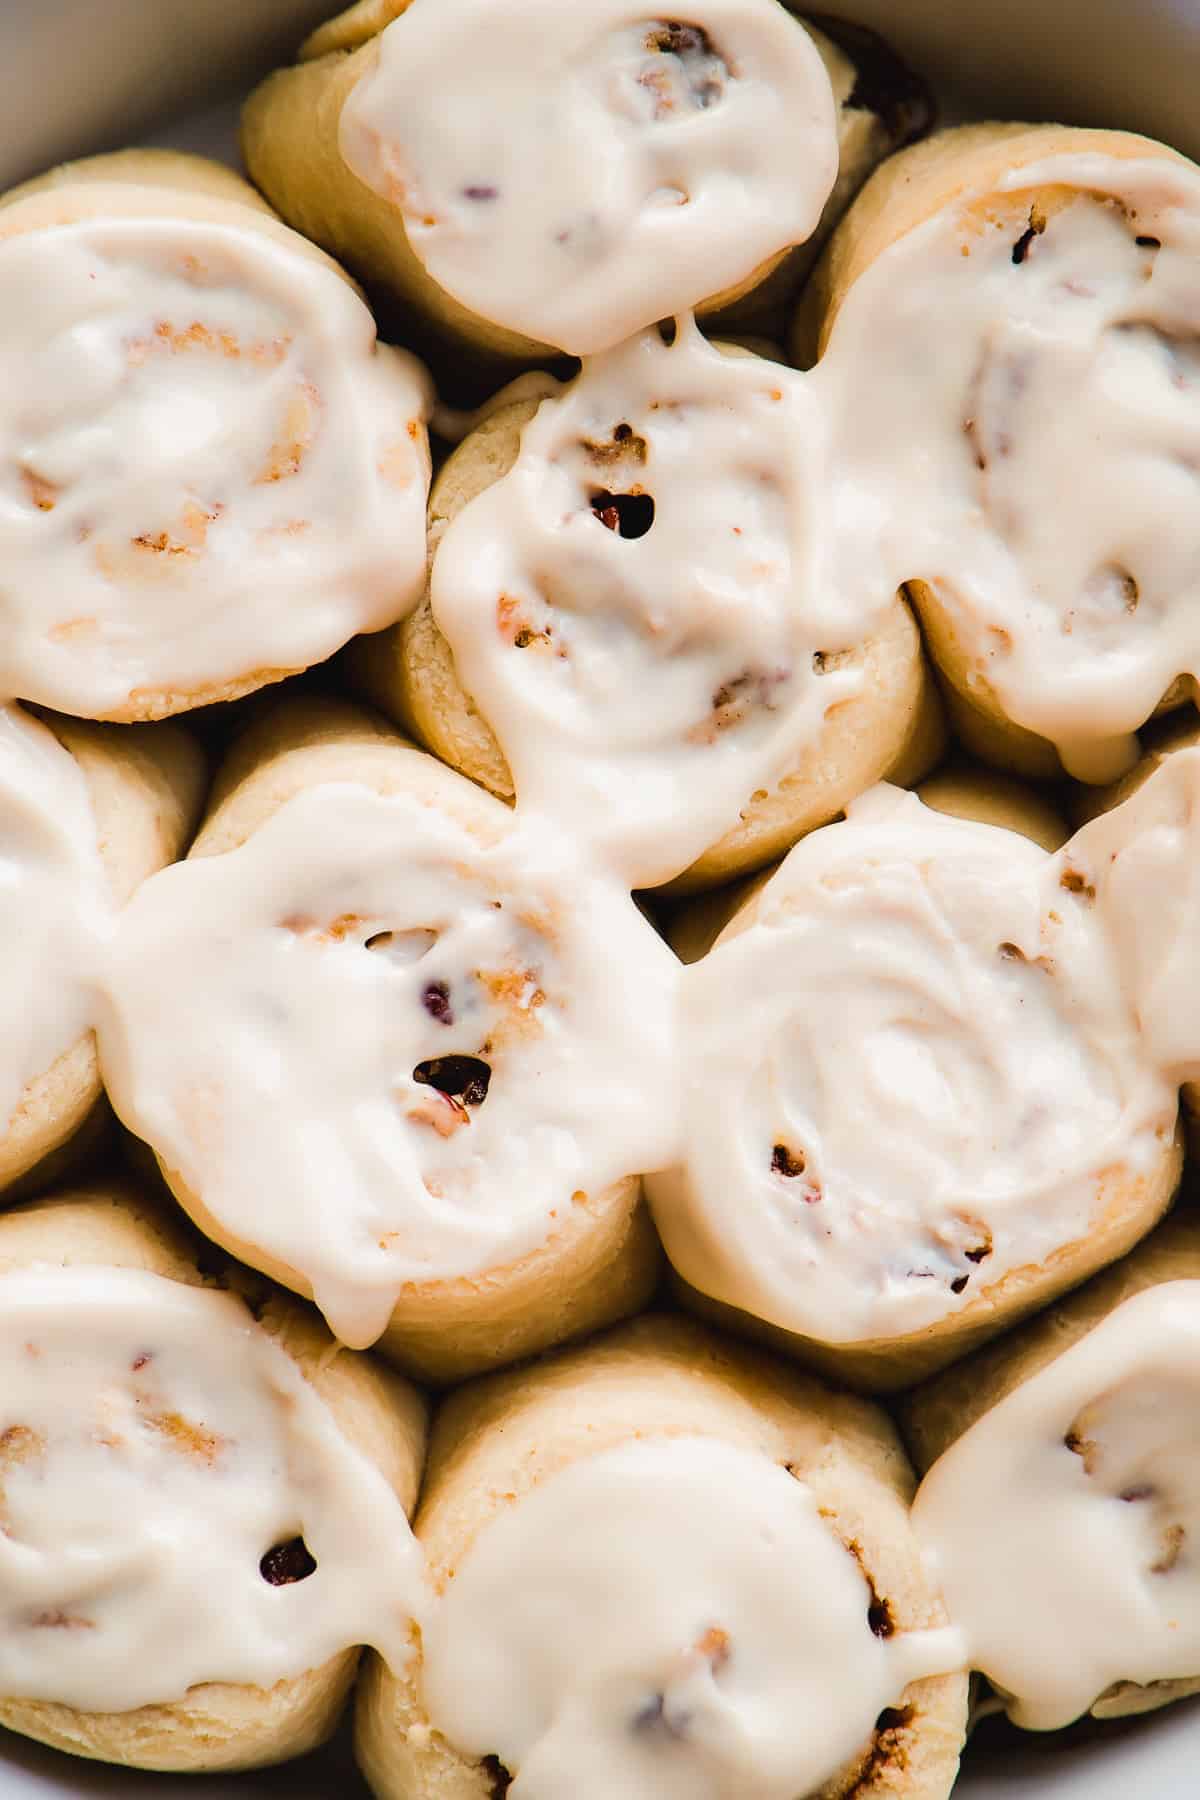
[213, 473]
[559, 180]
[204, 1508]
[1034, 459]
[1066, 1456]
[634, 618]
[919, 1099]
[427, 1053]
[667, 1568]
[88, 813]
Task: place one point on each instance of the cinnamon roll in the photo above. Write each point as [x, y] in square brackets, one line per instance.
[427, 1054]
[211, 474]
[1062, 1502]
[87, 812]
[633, 618]
[560, 182]
[666, 1567]
[1037, 454]
[921, 1093]
[203, 1508]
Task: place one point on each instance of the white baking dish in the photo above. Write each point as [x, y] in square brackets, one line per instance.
[80, 75]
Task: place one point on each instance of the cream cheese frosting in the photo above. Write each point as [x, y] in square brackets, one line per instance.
[631, 166]
[1062, 1524]
[1027, 400]
[915, 1070]
[644, 607]
[1142, 859]
[619, 1632]
[208, 466]
[391, 1052]
[55, 906]
[177, 1504]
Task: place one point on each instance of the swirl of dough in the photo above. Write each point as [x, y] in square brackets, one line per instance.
[1039, 452]
[633, 167]
[916, 1092]
[642, 610]
[407, 1061]
[211, 475]
[1066, 1455]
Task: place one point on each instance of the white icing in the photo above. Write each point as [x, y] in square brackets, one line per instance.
[1063, 1524]
[1025, 436]
[155, 1444]
[620, 1631]
[208, 467]
[643, 687]
[351, 939]
[915, 1071]
[561, 175]
[1143, 860]
[54, 902]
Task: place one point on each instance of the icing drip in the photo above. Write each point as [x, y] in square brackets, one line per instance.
[1037, 453]
[404, 1059]
[643, 609]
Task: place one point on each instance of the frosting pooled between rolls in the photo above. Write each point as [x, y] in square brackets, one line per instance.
[643, 607]
[392, 1052]
[915, 1069]
[620, 1631]
[209, 470]
[636, 166]
[1062, 1525]
[1038, 448]
[54, 903]
[177, 1505]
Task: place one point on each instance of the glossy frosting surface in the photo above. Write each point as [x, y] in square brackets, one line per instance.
[208, 467]
[393, 1051]
[644, 608]
[917, 1069]
[618, 1632]
[1062, 1525]
[634, 166]
[155, 1447]
[55, 905]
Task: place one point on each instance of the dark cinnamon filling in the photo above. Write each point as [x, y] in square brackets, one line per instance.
[629, 515]
[464, 1078]
[1034, 229]
[285, 1563]
[497, 1775]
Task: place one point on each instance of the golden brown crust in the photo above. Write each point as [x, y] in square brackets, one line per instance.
[145, 787]
[496, 1439]
[216, 1725]
[891, 729]
[603, 1260]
